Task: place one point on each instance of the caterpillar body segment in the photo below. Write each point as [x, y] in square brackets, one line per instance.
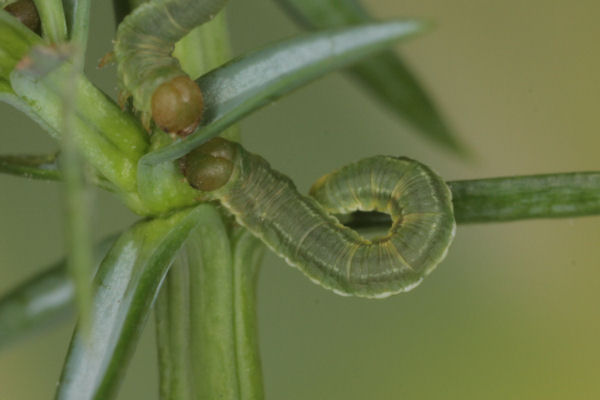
[419, 203]
[303, 231]
[149, 73]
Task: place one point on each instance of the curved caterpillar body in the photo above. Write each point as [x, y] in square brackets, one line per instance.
[302, 230]
[147, 71]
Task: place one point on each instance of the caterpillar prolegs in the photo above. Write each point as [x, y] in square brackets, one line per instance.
[148, 72]
[302, 230]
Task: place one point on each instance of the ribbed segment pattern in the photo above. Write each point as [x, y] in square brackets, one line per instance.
[301, 229]
[145, 41]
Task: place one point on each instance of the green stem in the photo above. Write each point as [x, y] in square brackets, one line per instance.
[524, 197]
[45, 167]
[214, 361]
[225, 357]
[77, 202]
[52, 16]
[126, 285]
[171, 313]
[42, 167]
[204, 49]
[78, 21]
[223, 343]
[247, 257]
[110, 140]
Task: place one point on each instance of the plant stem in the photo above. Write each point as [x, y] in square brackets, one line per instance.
[43, 167]
[214, 361]
[171, 313]
[525, 197]
[126, 285]
[52, 16]
[202, 50]
[247, 258]
[110, 140]
[78, 21]
[224, 350]
[77, 202]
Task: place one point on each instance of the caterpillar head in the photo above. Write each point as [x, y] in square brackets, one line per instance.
[177, 105]
[210, 166]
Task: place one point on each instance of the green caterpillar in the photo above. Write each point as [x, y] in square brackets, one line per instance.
[302, 230]
[147, 71]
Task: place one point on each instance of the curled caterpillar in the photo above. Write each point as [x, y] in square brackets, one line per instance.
[302, 230]
[147, 71]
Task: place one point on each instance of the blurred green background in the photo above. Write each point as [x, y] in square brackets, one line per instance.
[513, 311]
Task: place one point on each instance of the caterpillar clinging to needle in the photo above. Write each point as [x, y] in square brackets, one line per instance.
[299, 228]
[302, 230]
[148, 72]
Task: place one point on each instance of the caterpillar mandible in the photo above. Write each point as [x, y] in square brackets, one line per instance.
[302, 230]
[147, 71]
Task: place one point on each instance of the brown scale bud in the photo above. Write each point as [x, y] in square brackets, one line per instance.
[25, 11]
[177, 106]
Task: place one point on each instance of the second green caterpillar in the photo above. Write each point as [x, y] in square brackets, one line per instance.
[148, 72]
[302, 230]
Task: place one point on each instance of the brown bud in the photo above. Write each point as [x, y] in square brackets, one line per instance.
[177, 106]
[25, 11]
